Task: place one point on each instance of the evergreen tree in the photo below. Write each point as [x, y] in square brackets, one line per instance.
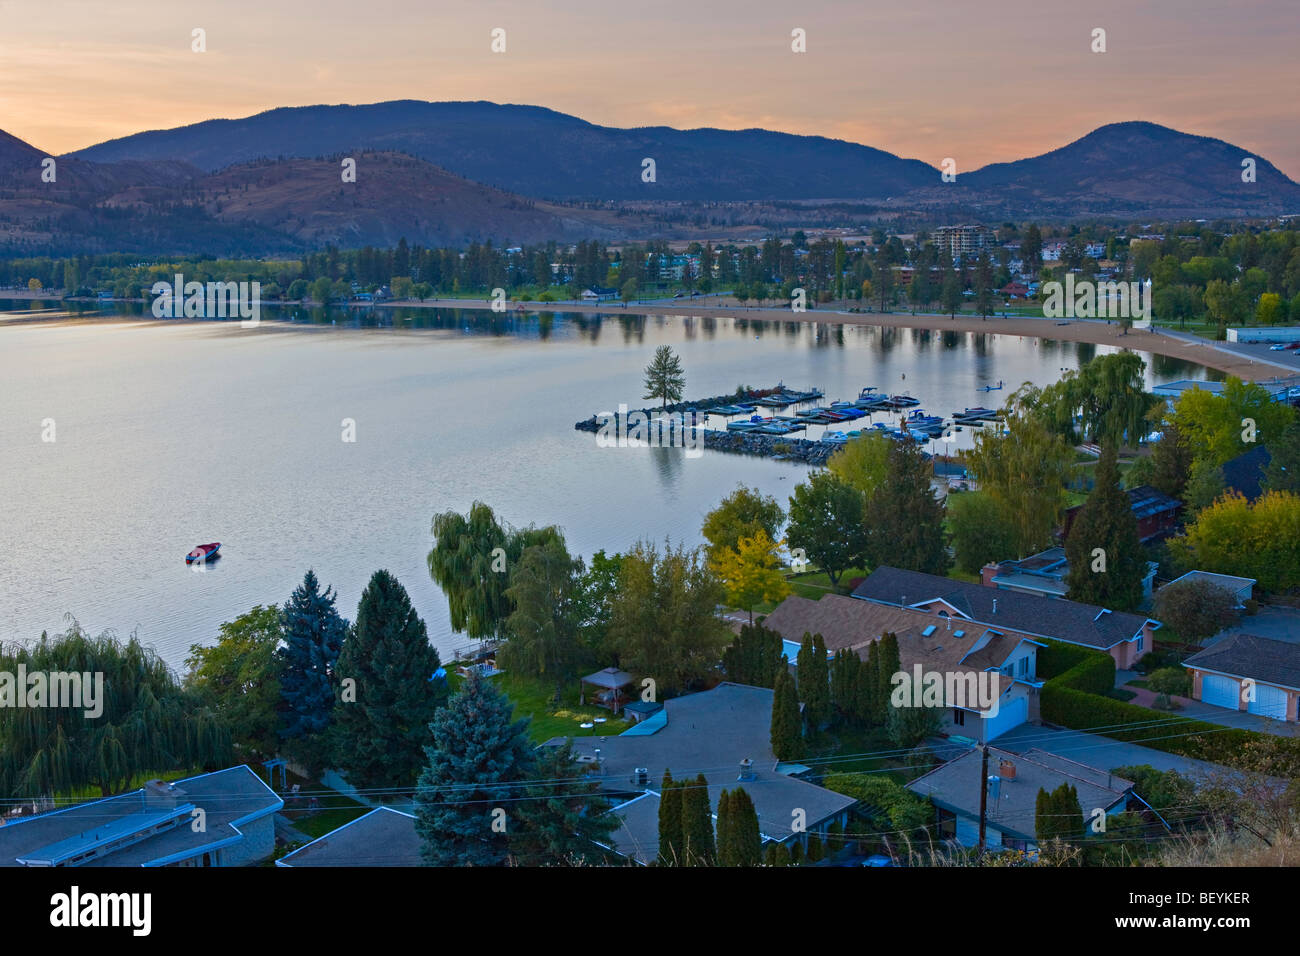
[563, 817]
[664, 378]
[725, 836]
[887, 665]
[381, 735]
[670, 823]
[697, 824]
[815, 852]
[870, 712]
[904, 519]
[845, 677]
[814, 682]
[781, 855]
[755, 656]
[476, 760]
[746, 842]
[796, 854]
[313, 637]
[1107, 562]
[787, 725]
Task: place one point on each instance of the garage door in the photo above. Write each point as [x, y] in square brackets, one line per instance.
[1011, 714]
[1220, 691]
[1268, 702]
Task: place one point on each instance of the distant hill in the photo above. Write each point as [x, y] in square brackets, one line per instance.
[541, 153]
[1138, 168]
[272, 206]
[453, 173]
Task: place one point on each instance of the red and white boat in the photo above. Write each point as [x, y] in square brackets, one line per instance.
[203, 553]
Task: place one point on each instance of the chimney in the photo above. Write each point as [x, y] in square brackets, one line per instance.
[641, 777]
[162, 796]
[995, 788]
[746, 769]
[986, 574]
[1006, 769]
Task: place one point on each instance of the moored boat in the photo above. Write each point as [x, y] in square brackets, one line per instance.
[203, 553]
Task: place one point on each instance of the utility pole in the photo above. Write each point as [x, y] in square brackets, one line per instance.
[984, 792]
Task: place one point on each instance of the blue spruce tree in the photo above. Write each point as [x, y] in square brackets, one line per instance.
[313, 637]
[465, 800]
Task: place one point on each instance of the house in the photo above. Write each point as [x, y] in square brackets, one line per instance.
[225, 818]
[946, 647]
[1240, 588]
[382, 837]
[1045, 574]
[725, 733]
[1245, 473]
[1015, 290]
[1245, 672]
[1013, 784]
[1156, 513]
[599, 293]
[1126, 637]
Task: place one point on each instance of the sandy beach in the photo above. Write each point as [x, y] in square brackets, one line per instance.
[1166, 342]
[1098, 332]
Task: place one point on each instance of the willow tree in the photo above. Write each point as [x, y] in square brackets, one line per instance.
[543, 627]
[1025, 470]
[472, 558]
[132, 718]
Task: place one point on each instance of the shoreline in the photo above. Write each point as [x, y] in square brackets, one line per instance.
[1166, 342]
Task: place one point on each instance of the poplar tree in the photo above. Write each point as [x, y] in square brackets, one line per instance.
[670, 823]
[814, 681]
[697, 824]
[787, 725]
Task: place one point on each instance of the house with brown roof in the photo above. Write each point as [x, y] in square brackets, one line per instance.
[1125, 637]
[1245, 672]
[965, 659]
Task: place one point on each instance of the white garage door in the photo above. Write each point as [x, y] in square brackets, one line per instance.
[1011, 714]
[1220, 691]
[1268, 702]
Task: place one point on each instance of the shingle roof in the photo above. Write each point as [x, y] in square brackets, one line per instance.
[1245, 473]
[1246, 655]
[1057, 618]
[710, 733]
[382, 837]
[950, 646]
[956, 786]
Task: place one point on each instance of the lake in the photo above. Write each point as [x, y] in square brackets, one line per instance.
[171, 434]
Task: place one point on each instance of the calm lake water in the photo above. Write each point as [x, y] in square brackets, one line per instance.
[171, 434]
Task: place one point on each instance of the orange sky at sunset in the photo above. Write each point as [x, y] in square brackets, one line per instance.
[925, 79]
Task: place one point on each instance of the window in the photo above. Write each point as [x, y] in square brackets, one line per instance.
[959, 717]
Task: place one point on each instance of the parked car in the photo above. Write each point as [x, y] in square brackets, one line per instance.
[1277, 348]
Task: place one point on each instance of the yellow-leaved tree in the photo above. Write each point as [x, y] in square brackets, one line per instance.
[751, 572]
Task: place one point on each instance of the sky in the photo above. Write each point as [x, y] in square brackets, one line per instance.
[980, 82]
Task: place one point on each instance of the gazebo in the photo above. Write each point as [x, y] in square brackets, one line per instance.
[609, 685]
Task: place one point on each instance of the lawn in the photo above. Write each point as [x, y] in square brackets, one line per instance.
[533, 698]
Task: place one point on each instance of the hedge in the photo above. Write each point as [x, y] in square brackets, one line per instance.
[1074, 696]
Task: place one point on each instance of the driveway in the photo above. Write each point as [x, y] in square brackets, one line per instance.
[1100, 752]
[1219, 715]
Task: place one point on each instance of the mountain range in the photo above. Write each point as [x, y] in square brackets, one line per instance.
[450, 173]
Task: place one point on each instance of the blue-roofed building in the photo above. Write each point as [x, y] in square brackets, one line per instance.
[225, 818]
